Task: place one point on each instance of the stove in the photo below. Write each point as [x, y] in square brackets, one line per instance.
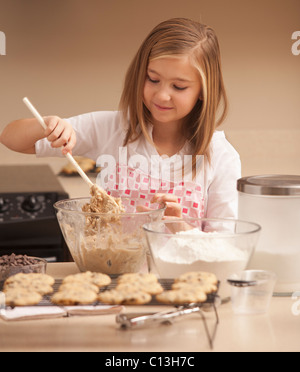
[28, 223]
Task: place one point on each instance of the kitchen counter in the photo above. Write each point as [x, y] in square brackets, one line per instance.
[278, 330]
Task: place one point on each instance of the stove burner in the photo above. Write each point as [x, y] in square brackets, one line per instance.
[28, 223]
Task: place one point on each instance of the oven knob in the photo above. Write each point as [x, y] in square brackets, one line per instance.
[31, 204]
[4, 206]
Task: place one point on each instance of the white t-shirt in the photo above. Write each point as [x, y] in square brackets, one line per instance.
[138, 171]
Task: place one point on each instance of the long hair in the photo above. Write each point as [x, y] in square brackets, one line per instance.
[178, 36]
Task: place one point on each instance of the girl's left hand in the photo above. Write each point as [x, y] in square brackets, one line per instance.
[173, 208]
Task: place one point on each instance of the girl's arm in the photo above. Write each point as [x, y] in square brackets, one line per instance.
[21, 135]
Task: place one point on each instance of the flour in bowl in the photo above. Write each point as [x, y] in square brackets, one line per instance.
[199, 245]
[194, 250]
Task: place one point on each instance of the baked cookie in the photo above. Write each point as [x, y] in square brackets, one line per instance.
[118, 297]
[34, 286]
[137, 278]
[30, 278]
[81, 285]
[203, 286]
[32, 282]
[85, 163]
[181, 297]
[74, 296]
[22, 297]
[197, 276]
[98, 279]
[151, 288]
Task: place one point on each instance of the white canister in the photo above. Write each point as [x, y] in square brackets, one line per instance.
[273, 201]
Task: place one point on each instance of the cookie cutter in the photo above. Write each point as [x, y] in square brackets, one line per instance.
[139, 320]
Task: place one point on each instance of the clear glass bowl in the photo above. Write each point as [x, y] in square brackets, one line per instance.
[115, 244]
[221, 246]
[39, 266]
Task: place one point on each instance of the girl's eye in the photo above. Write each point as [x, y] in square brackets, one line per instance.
[179, 88]
[152, 80]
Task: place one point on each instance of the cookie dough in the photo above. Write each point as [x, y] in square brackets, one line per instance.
[101, 202]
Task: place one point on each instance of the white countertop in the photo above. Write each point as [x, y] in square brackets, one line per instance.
[278, 330]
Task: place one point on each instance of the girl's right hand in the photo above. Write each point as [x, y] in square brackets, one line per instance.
[173, 208]
[60, 133]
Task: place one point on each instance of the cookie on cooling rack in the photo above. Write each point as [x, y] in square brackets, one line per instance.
[197, 276]
[206, 287]
[34, 282]
[124, 297]
[151, 288]
[74, 296]
[30, 278]
[78, 285]
[138, 278]
[98, 279]
[181, 296]
[35, 286]
[22, 297]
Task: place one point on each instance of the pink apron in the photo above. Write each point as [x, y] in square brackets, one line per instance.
[140, 188]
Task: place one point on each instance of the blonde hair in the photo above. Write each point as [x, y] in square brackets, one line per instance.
[178, 36]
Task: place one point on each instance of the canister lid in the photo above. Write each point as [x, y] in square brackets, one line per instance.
[270, 185]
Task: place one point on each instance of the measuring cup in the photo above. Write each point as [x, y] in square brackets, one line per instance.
[252, 292]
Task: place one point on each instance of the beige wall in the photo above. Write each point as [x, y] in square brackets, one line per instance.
[70, 57]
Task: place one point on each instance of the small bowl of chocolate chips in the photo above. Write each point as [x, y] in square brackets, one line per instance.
[18, 263]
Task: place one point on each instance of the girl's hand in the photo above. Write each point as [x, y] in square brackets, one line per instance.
[173, 207]
[60, 133]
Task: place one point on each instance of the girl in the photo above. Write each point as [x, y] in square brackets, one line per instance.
[162, 145]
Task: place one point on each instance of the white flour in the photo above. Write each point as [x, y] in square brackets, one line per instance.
[200, 246]
[201, 253]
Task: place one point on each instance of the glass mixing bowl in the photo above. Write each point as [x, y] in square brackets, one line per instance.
[104, 242]
[221, 246]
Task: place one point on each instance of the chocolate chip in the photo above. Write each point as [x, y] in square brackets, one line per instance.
[14, 260]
